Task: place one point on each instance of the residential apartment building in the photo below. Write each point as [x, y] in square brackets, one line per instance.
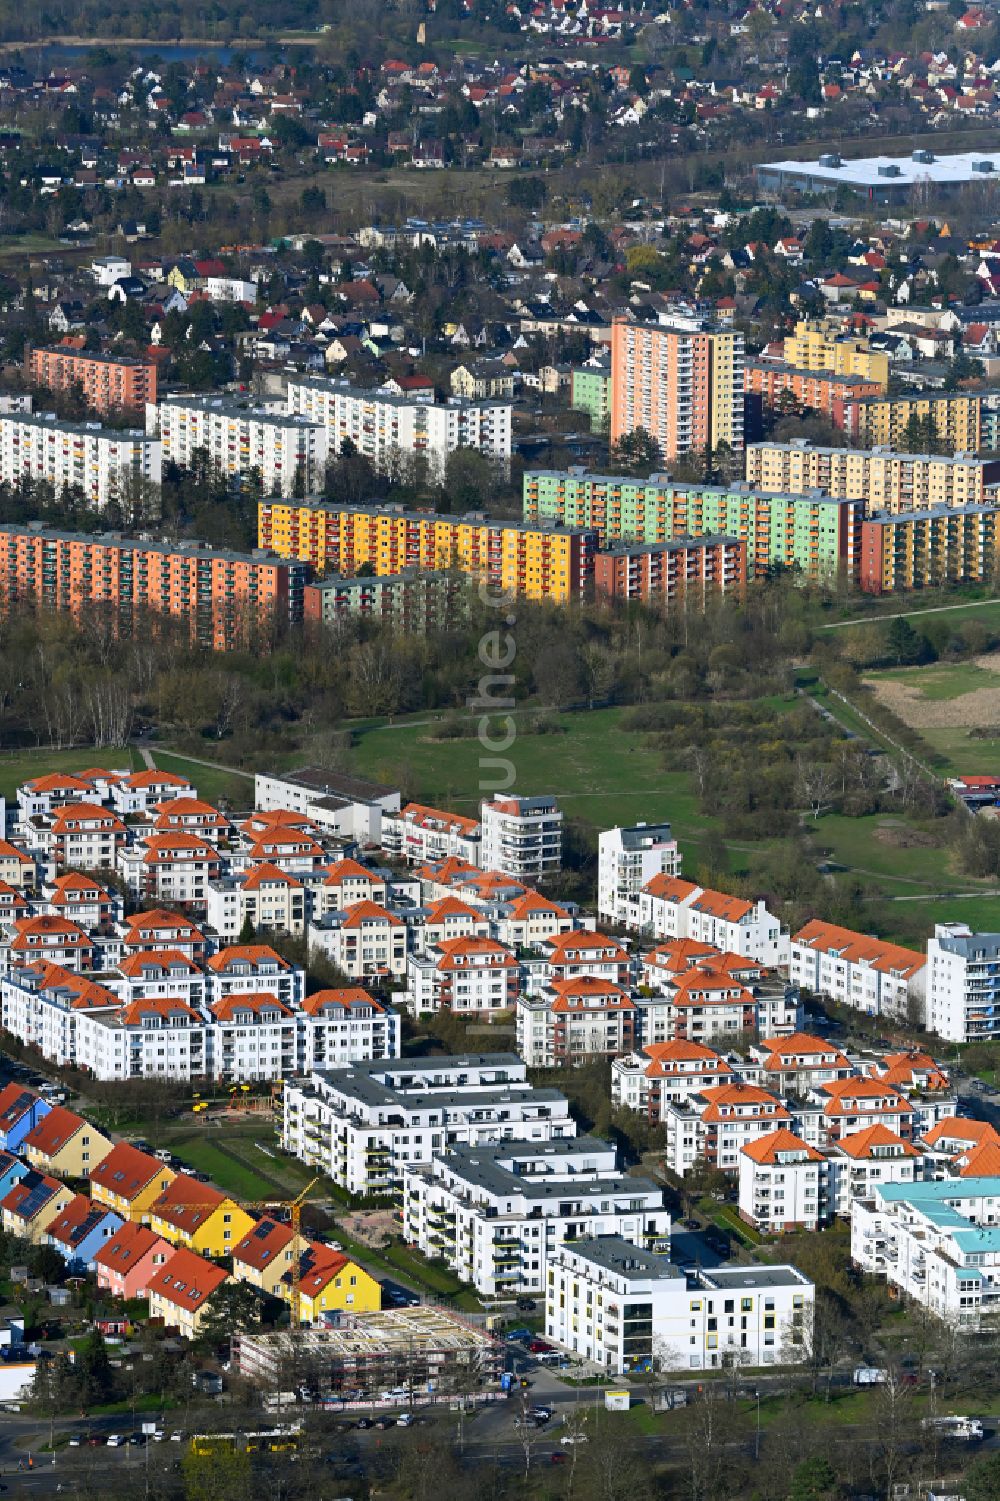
[540, 562]
[924, 549]
[108, 383]
[670, 907]
[413, 601]
[875, 421]
[714, 1125]
[100, 462]
[343, 1026]
[937, 1242]
[963, 983]
[383, 426]
[769, 383]
[815, 533]
[283, 454]
[498, 1213]
[887, 480]
[783, 1183]
[815, 345]
[684, 572]
[225, 599]
[681, 381]
[572, 1021]
[630, 1311]
[362, 1125]
[521, 836]
[418, 834]
[590, 392]
[468, 974]
[879, 978]
[665, 1073]
[627, 859]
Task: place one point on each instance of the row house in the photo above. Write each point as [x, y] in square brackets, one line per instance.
[125, 1264]
[471, 974]
[878, 978]
[31, 1204]
[418, 834]
[63, 1142]
[20, 1111]
[79, 1231]
[670, 907]
[129, 1182]
[572, 1021]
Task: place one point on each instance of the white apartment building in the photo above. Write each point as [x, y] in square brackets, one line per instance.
[963, 983]
[670, 907]
[146, 1039]
[867, 973]
[630, 1311]
[627, 860]
[497, 1213]
[284, 450]
[338, 1027]
[366, 941]
[364, 1124]
[253, 1037]
[82, 456]
[383, 426]
[783, 1183]
[419, 835]
[272, 900]
[714, 1125]
[348, 806]
[571, 1021]
[665, 1073]
[938, 1242]
[462, 975]
[522, 836]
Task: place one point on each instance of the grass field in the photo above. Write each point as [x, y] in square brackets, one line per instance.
[18, 766]
[943, 680]
[602, 773]
[214, 783]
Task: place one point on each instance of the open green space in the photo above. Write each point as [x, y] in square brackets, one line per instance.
[958, 750]
[225, 1168]
[928, 609]
[943, 680]
[214, 783]
[602, 772]
[859, 845]
[18, 766]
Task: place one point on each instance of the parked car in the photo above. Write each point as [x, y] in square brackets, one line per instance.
[365, 1423]
[115, 1440]
[514, 1336]
[573, 1438]
[527, 1305]
[559, 1458]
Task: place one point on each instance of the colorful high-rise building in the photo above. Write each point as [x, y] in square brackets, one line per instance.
[544, 562]
[684, 572]
[888, 481]
[922, 549]
[955, 416]
[682, 382]
[228, 599]
[814, 533]
[108, 383]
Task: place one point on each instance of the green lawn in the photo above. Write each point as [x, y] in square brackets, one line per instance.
[901, 871]
[227, 1172]
[18, 766]
[944, 680]
[214, 784]
[987, 611]
[962, 751]
[602, 773]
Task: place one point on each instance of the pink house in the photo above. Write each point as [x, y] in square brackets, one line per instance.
[126, 1263]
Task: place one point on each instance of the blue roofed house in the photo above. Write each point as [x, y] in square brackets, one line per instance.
[20, 1111]
[80, 1229]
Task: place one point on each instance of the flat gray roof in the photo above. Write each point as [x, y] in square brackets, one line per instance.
[894, 171]
[623, 1259]
[747, 1278]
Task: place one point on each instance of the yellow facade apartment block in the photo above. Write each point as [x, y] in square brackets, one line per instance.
[817, 346]
[955, 415]
[888, 481]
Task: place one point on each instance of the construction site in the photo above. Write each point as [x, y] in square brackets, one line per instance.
[417, 1354]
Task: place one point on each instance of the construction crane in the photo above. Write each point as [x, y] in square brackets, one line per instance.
[294, 1208]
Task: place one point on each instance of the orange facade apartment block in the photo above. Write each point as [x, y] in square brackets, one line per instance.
[109, 383]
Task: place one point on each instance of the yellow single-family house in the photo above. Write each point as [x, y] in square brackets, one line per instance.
[330, 1281]
[198, 1217]
[129, 1181]
[265, 1257]
[63, 1142]
[180, 1291]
